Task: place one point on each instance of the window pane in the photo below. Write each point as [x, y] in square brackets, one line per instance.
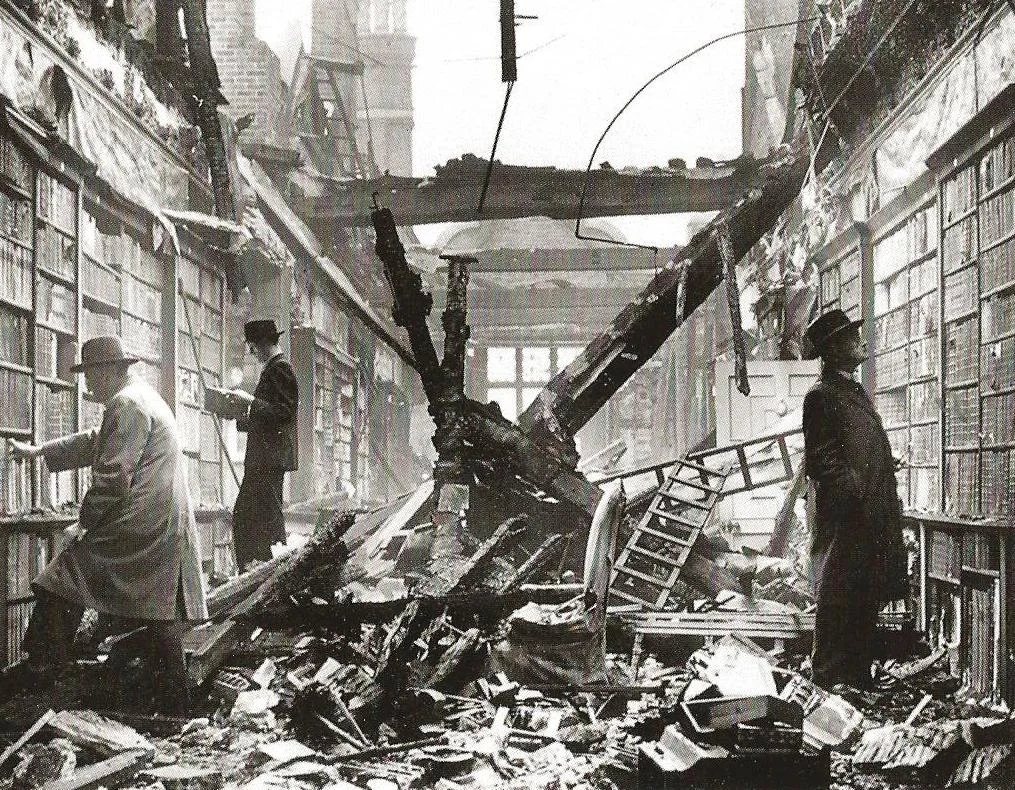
[528, 395]
[566, 355]
[506, 398]
[535, 364]
[500, 364]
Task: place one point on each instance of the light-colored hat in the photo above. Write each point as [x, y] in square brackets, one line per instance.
[102, 350]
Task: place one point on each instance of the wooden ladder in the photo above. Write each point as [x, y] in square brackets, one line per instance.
[648, 566]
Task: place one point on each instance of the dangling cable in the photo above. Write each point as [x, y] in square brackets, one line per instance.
[493, 151]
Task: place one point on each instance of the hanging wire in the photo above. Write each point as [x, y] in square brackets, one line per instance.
[599, 142]
[493, 151]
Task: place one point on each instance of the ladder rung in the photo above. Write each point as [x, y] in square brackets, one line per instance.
[703, 469]
[632, 598]
[704, 505]
[668, 536]
[690, 484]
[652, 511]
[645, 577]
[652, 555]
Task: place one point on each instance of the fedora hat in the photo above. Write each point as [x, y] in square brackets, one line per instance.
[828, 325]
[102, 350]
[259, 331]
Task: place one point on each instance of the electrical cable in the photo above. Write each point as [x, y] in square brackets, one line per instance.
[599, 142]
[493, 151]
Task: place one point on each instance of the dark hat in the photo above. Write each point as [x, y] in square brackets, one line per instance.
[102, 350]
[260, 331]
[828, 325]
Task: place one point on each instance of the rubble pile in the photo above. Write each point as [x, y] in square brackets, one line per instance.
[482, 672]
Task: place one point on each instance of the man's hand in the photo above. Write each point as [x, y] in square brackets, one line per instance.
[24, 449]
[73, 533]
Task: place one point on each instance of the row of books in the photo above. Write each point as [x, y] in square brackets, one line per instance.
[961, 484]
[56, 305]
[945, 556]
[891, 292]
[924, 401]
[16, 395]
[998, 417]
[923, 356]
[55, 410]
[979, 659]
[997, 165]
[959, 245]
[997, 218]
[997, 493]
[16, 217]
[15, 484]
[924, 444]
[923, 316]
[961, 417]
[981, 550]
[923, 487]
[141, 299]
[960, 293]
[15, 167]
[962, 339]
[99, 281]
[57, 203]
[997, 368]
[54, 354]
[916, 237]
[997, 267]
[94, 323]
[15, 273]
[56, 252]
[891, 368]
[13, 337]
[959, 194]
[141, 336]
[998, 315]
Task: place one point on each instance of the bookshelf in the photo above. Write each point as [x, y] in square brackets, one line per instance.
[905, 351]
[200, 350]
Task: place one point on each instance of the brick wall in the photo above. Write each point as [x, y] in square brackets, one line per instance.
[250, 72]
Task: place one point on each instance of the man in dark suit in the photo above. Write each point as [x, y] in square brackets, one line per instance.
[270, 423]
[856, 550]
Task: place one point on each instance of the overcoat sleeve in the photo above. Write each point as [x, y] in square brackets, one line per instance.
[74, 451]
[122, 439]
[279, 408]
[824, 455]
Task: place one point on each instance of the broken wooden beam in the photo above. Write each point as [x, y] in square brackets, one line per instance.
[102, 735]
[541, 557]
[575, 394]
[26, 736]
[207, 647]
[108, 773]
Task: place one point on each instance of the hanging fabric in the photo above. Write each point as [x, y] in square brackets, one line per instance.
[729, 266]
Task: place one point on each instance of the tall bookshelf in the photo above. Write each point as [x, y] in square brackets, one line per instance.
[906, 350]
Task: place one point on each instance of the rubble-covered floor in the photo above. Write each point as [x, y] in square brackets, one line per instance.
[479, 681]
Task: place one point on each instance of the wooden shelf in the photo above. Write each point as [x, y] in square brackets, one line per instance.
[71, 333]
[998, 289]
[963, 216]
[986, 393]
[964, 384]
[996, 242]
[42, 524]
[70, 234]
[56, 276]
[16, 367]
[18, 190]
[6, 430]
[998, 338]
[997, 190]
[7, 302]
[54, 382]
[17, 242]
[951, 319]
[962, 448]
[98, 301]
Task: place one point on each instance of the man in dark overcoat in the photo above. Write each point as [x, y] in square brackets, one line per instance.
[857, 551]
[270, 423]
[134, 554]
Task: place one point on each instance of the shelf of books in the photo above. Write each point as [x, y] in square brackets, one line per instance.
[840, 284]
[905, 352]
[200, 349]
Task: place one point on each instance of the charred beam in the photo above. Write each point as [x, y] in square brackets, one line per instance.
[574, 396]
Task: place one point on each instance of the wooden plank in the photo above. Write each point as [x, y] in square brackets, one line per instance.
[108, 773]
[102, 735]
[207, 648]
[26, 736]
